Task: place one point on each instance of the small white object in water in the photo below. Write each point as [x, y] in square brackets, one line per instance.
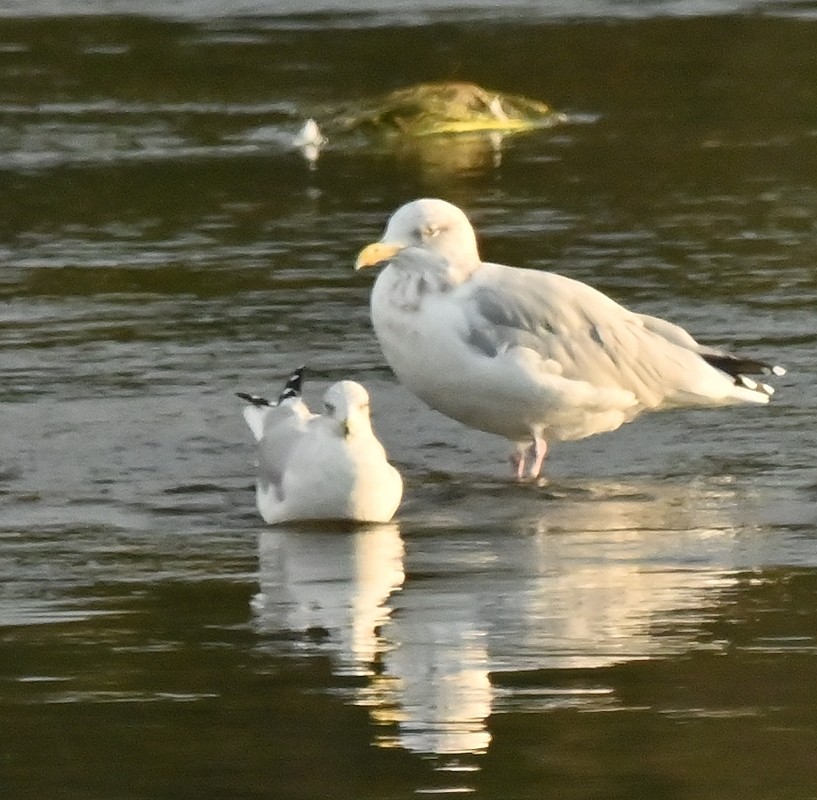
[495, 139]
[527, 354]
[310, 141]
[497, 110]
[321, 466]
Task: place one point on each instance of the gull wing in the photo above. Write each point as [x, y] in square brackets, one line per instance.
[583, 335]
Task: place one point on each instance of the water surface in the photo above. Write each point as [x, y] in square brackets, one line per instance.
[640, 625]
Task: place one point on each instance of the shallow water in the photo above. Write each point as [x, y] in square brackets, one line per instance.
[642, 624]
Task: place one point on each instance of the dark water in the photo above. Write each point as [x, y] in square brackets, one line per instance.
[642, 626]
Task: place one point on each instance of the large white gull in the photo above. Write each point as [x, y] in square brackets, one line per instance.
[527, 354]
[320, 466]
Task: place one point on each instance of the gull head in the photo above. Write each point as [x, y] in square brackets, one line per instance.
[426, 227]
[346, 407]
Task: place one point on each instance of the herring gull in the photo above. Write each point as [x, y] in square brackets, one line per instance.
[320, 466]
[530, 355]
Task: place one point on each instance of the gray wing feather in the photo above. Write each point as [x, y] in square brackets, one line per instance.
[735, 366]
[284, 426]
[591, 337]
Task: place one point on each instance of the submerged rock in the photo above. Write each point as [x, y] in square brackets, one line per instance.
[447, 107]
[446, 127]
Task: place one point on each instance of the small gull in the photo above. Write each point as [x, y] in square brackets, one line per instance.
[320, 466]
[526, 354]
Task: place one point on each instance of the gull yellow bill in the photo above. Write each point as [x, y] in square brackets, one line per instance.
[376, 253]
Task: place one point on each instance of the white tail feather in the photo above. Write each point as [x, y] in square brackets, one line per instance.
[255, 416]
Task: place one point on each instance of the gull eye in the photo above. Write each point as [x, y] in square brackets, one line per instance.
[329, 408]
[430, 231]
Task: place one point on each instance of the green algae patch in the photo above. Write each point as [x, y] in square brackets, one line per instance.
[446, 108]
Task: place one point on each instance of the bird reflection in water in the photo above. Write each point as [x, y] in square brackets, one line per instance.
[428, 670]
[338, 582]
[600, 577]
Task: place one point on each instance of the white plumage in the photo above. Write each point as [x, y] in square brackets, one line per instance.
[529, 355]
[321, 466]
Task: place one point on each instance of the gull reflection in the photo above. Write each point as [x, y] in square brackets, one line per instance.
[608, 578]
[435, 687]
[334, 582]
[596, 576]
[428, 677]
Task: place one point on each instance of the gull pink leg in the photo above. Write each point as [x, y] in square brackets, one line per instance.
[518, 462]
[539, 449]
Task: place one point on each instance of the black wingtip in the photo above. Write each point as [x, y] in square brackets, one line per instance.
[293, 385]
[253, 399]
[739, 368]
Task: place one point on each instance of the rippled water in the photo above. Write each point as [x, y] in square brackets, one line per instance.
[644, 624]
